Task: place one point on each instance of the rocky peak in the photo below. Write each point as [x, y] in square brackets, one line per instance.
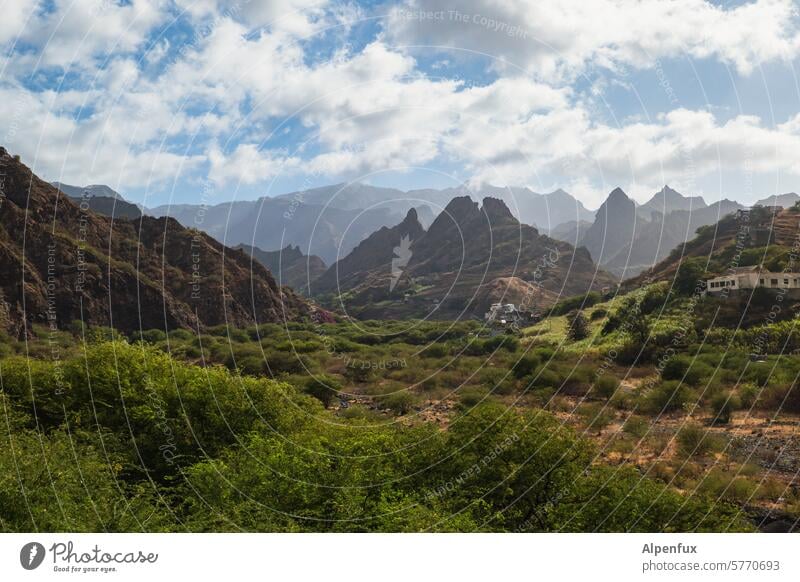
[617, 196]
[496, 210]
[461, 207]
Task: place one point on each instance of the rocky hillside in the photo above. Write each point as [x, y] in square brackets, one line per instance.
[63, 263]
[289, 266]
[471, 256]
[759, 236]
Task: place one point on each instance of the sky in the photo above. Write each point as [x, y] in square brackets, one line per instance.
[204, 101]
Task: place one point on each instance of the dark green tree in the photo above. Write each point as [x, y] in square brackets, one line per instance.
[579, 329]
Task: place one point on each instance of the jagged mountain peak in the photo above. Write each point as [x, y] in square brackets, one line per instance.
[559, 193]
[496, 209]
[617, 198]
[668, 200]
[461, 205]
[411, 217]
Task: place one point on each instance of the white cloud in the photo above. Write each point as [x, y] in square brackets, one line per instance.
[15, 14]
[76, 32]
[247, 165]
[553, 38]
[292, 17]
[372, 109]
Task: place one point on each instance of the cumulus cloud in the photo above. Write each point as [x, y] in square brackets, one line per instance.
[73, 33]
[243, 80]
[15, 14]
[247, 165]
[557, 38]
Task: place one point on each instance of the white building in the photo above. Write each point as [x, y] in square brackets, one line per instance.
[502, 313]
[750, 278]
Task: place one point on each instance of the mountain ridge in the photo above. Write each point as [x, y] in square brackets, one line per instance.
[63, 263]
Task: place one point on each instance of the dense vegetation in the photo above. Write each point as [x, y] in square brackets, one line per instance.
[188, 433]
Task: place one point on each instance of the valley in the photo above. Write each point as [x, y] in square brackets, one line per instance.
[681, 407]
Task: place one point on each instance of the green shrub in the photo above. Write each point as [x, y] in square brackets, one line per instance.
[400, 402]
[694, 441]
[667, 397]
[605, 386]
[434, 351]
[578, 328]
[722, 407]
[471, 397]
[636, 426]
[525, 366]
[577, 302]
[598, 313]
[323, 387]
[676, 368]
[596, 416]
[748, 393]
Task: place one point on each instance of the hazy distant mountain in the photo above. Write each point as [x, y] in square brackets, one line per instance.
[274, 223]
[656, 239]
[331, 220]
[570, 232]
[101, 199]
[615, 226]
[472, 255]
[668, 200]
[91, 191]
[289, 266]
[782, 200]
[425, 215]
[627, 240]
[544, 211]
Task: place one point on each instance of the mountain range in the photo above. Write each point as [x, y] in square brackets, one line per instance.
[323, 226]
[627, 239]
[331, 220]
[471, 256]
[101, 199]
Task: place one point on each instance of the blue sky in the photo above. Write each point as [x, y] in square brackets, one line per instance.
[181, 101]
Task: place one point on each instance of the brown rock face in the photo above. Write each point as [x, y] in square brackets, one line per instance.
[288, 265]
[61, 262]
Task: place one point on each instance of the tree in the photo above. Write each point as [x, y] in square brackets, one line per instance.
[324, 388]
[690, 275]
[579, 329]
[722, 406]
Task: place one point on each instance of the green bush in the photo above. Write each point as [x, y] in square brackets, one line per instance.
[605, 386]
[525, 366]
[666, 397]
[400, 402]
[577, 302]
[636, 426]
[695, 441]
[598, 313]
[722, 407]
[323, 387]
[434, 351]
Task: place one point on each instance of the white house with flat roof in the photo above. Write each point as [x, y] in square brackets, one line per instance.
[750, 278]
